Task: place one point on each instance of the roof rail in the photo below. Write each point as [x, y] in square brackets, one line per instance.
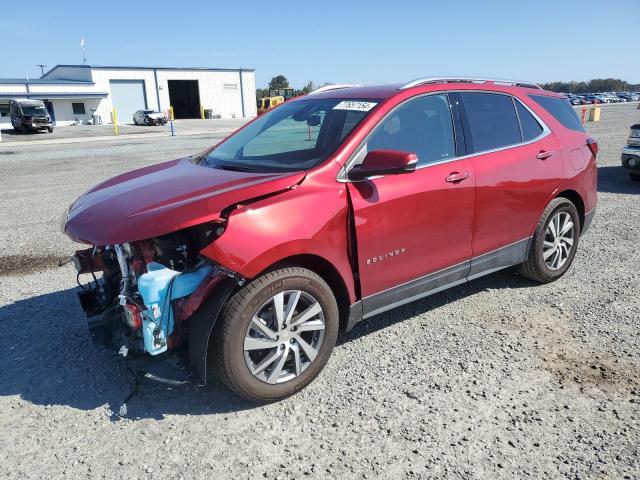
[335, 86]
[454, 79]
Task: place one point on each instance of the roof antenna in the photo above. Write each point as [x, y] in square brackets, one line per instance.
[42, 68]
[84, 57]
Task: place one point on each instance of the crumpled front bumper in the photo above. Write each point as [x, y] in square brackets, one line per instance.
[186, 304]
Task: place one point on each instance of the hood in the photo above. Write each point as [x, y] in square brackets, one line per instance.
[163, 198]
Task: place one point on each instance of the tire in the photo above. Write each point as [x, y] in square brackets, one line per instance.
[536, 267]
[50, 129]
[635, 176]
[235, 350]
[147, 121]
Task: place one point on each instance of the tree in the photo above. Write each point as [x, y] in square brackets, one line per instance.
[308, 88]
[279, 81]
[595, 85]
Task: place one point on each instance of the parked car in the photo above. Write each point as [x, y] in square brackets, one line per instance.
[631, 153]
[29, 115]
[574, 100]
[591, 99]
[325, 211]
[149, 117]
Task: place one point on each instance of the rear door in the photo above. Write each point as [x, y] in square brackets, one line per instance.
[518, 166]
[414, 230]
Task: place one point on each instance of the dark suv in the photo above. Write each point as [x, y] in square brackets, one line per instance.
[328, 210]
[29, 115]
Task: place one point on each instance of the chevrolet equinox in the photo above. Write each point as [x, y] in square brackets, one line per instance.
[247, 259]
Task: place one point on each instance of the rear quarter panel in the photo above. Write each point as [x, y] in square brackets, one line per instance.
[579, 167]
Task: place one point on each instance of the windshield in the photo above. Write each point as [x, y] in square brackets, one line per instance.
[30, 110]
[295, 136]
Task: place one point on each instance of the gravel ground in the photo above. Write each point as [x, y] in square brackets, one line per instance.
[500, 378]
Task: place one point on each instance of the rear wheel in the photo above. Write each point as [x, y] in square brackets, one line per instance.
[276, 334]
[635, 177]
[554, 242]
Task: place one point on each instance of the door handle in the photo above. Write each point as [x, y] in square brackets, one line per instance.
[455, 177]
[543, 155]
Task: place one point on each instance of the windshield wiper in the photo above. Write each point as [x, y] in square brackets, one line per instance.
[236, 168]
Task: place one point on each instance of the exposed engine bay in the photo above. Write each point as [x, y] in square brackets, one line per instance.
[148, 289]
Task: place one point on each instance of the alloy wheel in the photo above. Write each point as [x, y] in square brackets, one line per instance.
[284, 336]
[558, 241]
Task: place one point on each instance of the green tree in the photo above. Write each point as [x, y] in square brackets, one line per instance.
[308, 88]
[594, 85]
[279, 81]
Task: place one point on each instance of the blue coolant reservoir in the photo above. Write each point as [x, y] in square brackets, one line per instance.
[158, 287]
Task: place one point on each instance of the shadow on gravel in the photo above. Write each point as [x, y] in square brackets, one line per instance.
[615, 179]
[12, 132]
[47, 358]
[504, 279]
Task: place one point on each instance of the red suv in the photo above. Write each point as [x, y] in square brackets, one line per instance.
[325, 211]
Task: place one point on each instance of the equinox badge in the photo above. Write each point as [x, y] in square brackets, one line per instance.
[380, 258]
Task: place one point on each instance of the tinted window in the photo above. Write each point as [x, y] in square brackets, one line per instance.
[422, 126]
[529, 125]
[492, 119]
[561, 109]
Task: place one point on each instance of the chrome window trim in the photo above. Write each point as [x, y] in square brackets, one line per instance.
[342, 174]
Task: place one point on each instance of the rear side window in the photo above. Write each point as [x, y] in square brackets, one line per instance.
[529, 125]
[561, 109]
[492, 119]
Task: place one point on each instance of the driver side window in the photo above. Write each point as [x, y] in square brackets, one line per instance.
[422, 126]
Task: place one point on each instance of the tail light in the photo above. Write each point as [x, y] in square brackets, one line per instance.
[593, 146]
[133, 317]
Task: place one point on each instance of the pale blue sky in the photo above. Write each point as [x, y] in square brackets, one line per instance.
[332, 41]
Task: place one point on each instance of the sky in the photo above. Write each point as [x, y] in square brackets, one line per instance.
[332, 41]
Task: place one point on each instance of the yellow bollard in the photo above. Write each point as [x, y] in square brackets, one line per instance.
[201, 112]
[171, 113]
[114, 119]
[594, 114]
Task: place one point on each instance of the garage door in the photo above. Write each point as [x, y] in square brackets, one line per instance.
[127, 96]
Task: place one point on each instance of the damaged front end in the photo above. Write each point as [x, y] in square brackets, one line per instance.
[142, 296]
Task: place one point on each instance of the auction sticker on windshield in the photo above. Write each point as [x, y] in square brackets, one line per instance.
[357, 106]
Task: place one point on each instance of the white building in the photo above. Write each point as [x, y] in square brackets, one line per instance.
[76, 92]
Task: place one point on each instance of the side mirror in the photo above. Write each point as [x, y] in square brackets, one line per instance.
[384, 162]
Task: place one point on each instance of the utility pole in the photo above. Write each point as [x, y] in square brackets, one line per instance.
[42, 68]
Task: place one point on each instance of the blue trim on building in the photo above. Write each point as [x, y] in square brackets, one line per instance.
[104, 67]
[60, 95]
[42, 81]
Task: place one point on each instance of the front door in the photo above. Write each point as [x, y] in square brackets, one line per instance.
[414, 230]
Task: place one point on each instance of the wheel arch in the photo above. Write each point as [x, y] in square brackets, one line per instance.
[575, 198]
[327, 271]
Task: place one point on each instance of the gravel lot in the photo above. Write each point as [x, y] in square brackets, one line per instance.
[500, 378]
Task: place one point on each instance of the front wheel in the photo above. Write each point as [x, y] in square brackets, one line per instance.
[554, 242]
[635, 176]
[276, 334]
[50, 129]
